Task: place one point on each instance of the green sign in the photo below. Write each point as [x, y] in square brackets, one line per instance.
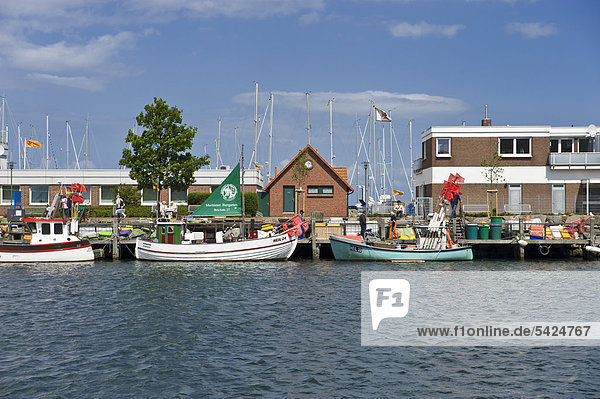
[226, 200]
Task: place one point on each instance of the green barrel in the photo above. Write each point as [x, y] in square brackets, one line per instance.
[471, 232]
[484, 232]
[496, 231]
[496, 219]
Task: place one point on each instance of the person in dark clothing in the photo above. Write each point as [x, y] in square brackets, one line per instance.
[362, 220]
[454, 204]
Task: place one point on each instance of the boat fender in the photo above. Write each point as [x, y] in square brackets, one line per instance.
[595, 250]
[522, 243]
[544, 249]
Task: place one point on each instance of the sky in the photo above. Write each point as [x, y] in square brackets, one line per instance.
[435, 62]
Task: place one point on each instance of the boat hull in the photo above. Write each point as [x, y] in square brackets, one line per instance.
[348, 249]
[281, 246]
[71, 251]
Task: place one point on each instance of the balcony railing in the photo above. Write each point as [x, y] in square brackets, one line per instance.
[418, 164]
[577, 160]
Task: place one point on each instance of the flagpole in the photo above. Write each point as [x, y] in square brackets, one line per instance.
[270, 140]
[243, 225]
[255, 123]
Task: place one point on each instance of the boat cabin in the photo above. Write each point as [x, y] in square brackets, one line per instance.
[170, 232]
[45, 231]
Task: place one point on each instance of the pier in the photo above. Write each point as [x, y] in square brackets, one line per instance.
[512, 244]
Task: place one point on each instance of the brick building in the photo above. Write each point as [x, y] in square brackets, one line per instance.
[545, 169]
[309, 183]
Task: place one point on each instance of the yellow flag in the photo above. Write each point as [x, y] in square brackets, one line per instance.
[397, 192]
[32, 144]
[257, 166]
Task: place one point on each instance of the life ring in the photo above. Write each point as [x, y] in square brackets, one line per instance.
[544, 249]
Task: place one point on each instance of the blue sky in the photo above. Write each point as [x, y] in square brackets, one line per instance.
[435, 62]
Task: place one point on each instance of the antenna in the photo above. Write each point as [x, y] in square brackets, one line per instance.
[308, 116]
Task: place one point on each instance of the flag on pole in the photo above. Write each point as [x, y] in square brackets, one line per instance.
[397, 192]
[32, 144]
[155, 187]
[381, 116]
[257, 166]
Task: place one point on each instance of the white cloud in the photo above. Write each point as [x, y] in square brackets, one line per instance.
[78, 82]
[531, 30]
[404, 29]
[401, 105]
[309, 18]
[96, 55]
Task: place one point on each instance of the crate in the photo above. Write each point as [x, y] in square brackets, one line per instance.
[324, 230]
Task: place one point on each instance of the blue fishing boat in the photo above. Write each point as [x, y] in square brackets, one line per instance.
[352, 249]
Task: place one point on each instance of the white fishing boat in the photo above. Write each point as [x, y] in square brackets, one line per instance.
[174, 242]
[45, 240]
[170, 246]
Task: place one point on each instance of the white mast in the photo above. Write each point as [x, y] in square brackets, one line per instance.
[47, 141]
[308, 117]
[19, 135]
[391, 159]
[330, 103]
[270, 140]
[219, 144]
[412, 198]
[356, 161]
[235, 143]
[255, 123]
[87, 123]
[383, 161]
[67, 151]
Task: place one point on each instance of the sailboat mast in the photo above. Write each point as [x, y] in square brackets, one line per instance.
[87, 123]
[331, 132]
[270, 140]
[47, 141]
[67, 151]
[391, 160]
[243, 226]
[308, 117]
[19, 135]
[219, 144]
[256, 122]
[411, 187]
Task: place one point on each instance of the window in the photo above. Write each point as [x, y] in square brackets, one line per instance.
[586, 145]
[32, 226]
[7, 194]
[443, 147]
[38, 195]
[515, 147]
[58, 228]
[179, 197]
[561, 145]
[320, 190]
[45, 228]
[86, 196]
[148, 196]
[424, 150]
[107, 194]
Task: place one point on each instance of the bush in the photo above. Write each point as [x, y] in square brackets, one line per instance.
[197, 198]
[182, 210]
[138, 211]
[251, 203]
[103, 211]
[130, 194]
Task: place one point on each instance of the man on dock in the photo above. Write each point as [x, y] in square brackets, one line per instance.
[119, 207]
[362, 220]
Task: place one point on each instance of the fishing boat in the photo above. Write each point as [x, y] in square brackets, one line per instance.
[345, 248]
[433, 241]
[44, 240]
[174, 241]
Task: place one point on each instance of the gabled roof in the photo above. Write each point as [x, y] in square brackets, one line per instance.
[314, 153]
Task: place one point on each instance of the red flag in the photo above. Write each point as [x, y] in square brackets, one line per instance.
[459, 178]
[77, 199]
[452, 178]
[80, 188]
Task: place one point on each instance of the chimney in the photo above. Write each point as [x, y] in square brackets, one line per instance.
[486, 121]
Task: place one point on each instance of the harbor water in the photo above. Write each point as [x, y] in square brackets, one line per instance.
[130, 329]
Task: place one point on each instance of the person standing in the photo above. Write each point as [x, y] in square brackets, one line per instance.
[454, 204]
[120, 206]
[393, 233]
[362, 220]
[64, 207]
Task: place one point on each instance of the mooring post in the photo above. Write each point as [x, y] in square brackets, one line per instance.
[592, 232]
[520, 248]
[313, 240]
[115, 238]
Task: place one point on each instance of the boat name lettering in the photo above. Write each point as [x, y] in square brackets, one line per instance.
[354, 248]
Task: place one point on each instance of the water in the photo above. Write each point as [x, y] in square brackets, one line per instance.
[133, 329]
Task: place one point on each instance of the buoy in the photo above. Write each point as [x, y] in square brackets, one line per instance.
[595, 250]
[522, 243]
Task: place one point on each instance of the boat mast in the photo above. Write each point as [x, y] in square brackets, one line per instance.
[391, 174]
[412, 197]
[87, 123]
[19, 135]
[67, 151]
[219, 143]
[330, 103]
[47, 141]
[255, 123]
[243, 226]
[270, 140]
[308, 117]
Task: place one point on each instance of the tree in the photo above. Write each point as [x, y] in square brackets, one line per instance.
[160, 155]
[492, 171]
[130, 194]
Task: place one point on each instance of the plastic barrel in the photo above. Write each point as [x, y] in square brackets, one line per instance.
[484, 232]
[496, 231]
[496, 219]
[471, 232]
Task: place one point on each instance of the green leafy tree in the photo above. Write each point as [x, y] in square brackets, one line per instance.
[130, 194]
[160, 155]
[492, 171]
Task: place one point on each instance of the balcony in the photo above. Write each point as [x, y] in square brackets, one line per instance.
[574, 160]
[418, 165]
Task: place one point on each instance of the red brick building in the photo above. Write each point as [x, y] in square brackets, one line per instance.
[309, 183]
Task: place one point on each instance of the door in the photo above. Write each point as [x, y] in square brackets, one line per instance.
[514, 198]
[558, 198]
[289, 199]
